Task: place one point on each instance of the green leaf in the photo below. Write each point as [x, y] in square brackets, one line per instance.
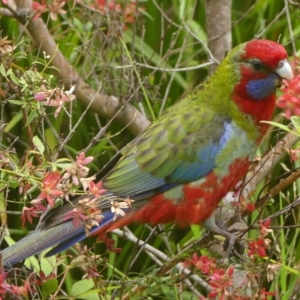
[13, 121]
[49, 287]
[182, 9]
[32, 263]
[283, 127]
[186, 295]
[48, 264]
[168, 290]
[13, 183]
[81, 286]
[16, 102]
[90, 295]
[32, 116]
[296, 122]
[9, 240]
[62, 160]
[196, 229]
[2, 71]
[39, 144]
[62, 165]
[13, 77]
[78, 25]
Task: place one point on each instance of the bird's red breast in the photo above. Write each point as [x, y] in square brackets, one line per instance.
[196, 205]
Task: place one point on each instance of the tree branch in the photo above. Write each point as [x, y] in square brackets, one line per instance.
[218, 28]
[106, 106]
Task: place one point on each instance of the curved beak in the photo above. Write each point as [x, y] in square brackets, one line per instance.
[284, 70]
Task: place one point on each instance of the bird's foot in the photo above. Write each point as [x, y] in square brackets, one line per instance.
[232, 244]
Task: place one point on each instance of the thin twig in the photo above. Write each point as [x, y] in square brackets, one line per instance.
[104, 105]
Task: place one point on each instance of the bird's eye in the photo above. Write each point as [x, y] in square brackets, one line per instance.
[256, 65]
[281, 63]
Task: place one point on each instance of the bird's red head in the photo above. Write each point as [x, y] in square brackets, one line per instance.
[268, 52]
[262, 66]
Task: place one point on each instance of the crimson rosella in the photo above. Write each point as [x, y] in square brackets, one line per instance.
[182, 165]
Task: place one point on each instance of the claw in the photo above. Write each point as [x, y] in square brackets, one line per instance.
[232, 245]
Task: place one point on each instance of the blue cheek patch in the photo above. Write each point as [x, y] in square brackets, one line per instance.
[261, 88]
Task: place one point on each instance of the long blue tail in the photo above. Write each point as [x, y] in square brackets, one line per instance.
[63, 235]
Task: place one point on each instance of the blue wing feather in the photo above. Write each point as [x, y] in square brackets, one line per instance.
[129, 179]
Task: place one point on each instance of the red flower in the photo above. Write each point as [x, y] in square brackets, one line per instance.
[264, 227]
[20, 290]
[28, 213]
[220, 281]
[264, 294]
[202, 263]
[4, 287]
[49, 189]
[40, 8]
[243, 205]
[127, 10]
[55, 8]
[38, 206]
[295, 64]
[258, 248]
[95, 189]
[77, 216]
[91, 272]
[290, 100]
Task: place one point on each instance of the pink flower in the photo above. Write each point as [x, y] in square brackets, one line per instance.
[294, 154]
[202, 263]
[40, 8]
[221, 281]
[78, 169]
[82, 160]
[28, 214]
[40, 96]
[91, 272]
[264, 227]
[95, 189]
[4, 287]
[77, 216]
[289, 101]
[49, 188]
[54, 98]
[55, 8]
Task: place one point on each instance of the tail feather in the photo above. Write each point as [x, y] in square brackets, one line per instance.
[39, 240]
[36, 242]
[66, 243]
[54, 231]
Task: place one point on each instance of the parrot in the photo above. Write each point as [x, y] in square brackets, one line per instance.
[185, 162]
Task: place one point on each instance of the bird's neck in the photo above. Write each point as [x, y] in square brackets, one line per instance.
[258, 110]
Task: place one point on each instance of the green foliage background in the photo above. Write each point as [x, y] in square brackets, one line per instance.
[116, 60]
